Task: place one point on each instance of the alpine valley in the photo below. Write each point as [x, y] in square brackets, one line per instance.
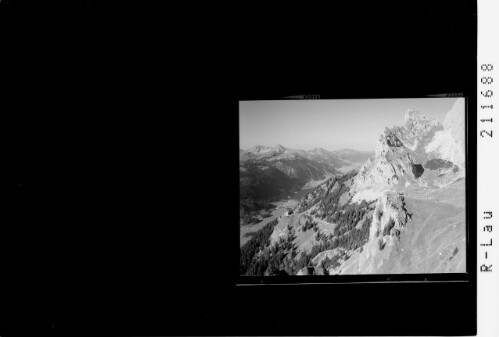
[399, 210]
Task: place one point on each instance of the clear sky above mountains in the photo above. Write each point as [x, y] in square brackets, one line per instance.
[330, 124]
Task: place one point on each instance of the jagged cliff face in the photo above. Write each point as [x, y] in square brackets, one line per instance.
[404, 155]
[391, 162]
[389, 218]
[417, 130]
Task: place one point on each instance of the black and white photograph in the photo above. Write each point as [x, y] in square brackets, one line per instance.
[355, 127]
[365, 186]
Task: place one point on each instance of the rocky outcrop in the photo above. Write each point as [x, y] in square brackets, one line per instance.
[391, 161]
[391, 139]
[389, 218]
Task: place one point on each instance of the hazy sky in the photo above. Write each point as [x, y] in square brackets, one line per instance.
[330, 124]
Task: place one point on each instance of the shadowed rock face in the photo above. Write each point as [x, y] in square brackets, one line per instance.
[397, 151]
[392, 140]
[417, 170]
[437, 163]
[280, 272]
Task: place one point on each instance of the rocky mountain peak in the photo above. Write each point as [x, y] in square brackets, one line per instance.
[279, 148]
[412, 114]
[399, 152]
[318, 151]
[259, 149]
[386, 142]
[417, 122]
[402, 151]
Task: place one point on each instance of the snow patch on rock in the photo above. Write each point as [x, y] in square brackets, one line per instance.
[369, 194]
[449, 143]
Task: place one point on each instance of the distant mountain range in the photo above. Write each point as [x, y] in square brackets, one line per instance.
[336, 159]
[274, 173]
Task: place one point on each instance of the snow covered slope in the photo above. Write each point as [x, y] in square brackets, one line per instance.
[449, 143]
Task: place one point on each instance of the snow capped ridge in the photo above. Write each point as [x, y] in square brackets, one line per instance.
[259, 149]
[455, 117]
[344, 161]
[318, 150]
[449, 143]
[264, 149]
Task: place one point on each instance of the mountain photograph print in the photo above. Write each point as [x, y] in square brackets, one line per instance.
[345, 187]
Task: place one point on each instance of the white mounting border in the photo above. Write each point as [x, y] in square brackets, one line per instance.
[487, 168]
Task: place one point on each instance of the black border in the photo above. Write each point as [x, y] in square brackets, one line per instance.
[101, 88]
